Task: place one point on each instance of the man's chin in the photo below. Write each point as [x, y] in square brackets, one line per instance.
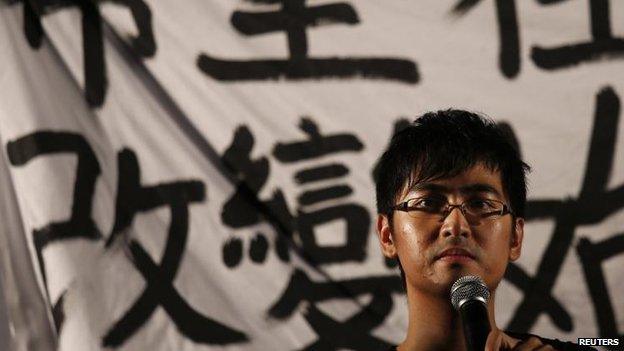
[458, 268]
[456, 271]
[441, 285]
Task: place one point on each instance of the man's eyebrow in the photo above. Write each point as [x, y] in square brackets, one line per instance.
[429, 187]
[479, 188]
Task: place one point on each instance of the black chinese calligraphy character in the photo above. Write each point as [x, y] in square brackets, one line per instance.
[603, 44]
[80, 225]
[133, 198]
[355, 217]
[92, 39]
[245, 208]
[353, 333]
[592, 255]
[507, 19]
[594, 203]
[294, 18]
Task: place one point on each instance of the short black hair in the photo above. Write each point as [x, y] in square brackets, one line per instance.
[444, 144]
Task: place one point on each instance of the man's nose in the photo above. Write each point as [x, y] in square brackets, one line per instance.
[455, 223]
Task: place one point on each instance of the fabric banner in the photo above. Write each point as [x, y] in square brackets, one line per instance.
[199, 175]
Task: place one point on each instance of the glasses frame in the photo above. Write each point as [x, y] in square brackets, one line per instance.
[402, 206]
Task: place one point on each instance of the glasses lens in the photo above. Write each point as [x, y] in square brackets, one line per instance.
[426, 207]
[483, 208]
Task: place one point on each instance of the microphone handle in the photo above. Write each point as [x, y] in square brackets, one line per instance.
[476, 324]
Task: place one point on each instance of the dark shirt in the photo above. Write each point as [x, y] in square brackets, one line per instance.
[556, 344]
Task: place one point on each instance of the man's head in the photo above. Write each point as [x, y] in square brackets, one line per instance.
[451, 151]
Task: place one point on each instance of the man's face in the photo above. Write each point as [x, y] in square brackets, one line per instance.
[422, 244]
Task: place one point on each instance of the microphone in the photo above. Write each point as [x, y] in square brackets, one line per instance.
[469, 297]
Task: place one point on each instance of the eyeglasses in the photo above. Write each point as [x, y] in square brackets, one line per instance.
[475, 210]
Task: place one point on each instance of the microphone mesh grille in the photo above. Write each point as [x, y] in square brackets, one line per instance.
[469, 287]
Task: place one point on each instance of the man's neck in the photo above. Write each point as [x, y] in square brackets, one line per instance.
[434, 325]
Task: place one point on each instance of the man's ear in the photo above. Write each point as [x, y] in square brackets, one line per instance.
[385, 237]
[517, 234]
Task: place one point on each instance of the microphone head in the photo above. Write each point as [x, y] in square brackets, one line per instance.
[468, 288]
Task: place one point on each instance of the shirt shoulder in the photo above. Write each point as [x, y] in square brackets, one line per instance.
[555, 343]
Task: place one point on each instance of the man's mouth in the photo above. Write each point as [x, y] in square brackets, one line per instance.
[455, 253]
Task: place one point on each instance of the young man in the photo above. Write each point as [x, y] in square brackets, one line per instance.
[451, 193]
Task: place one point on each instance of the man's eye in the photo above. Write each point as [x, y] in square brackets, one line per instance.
[481, 205]
[428, 204]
